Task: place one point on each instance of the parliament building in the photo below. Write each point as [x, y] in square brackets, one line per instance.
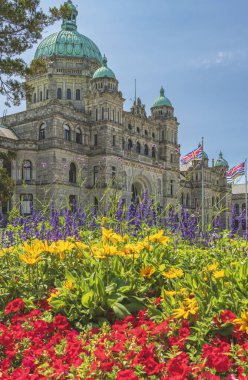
[75, 143]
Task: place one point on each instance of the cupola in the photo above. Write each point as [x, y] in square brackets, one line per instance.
[162, 107]
[104, 78]
[68, 42]
[221, 162]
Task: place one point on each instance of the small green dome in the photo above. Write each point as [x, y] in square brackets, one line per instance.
[68, 42]
[162, 101]
[104, 71]
[221, 161]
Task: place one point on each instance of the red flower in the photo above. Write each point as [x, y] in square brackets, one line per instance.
[227, 316]
[177, 367]
[14, 306]
[217, 357]
[126, 374]
[60, 322]
[157, 301]
[107, 366]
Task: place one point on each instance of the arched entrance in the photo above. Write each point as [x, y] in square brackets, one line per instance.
[139, 186]
[137, 191]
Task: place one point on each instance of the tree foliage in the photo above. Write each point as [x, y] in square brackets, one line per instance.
[21, 25]
[7, 185]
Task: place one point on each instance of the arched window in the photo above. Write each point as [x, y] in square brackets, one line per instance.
[146, 150]
[67, 132]
[153, 152]
[26, 204]
[78, 136]
[187, 200]
[34, 97]
[59, 93]
[68, 94]
[129, 144]
[138, 147]
[47, 94]
[123, 144]
[146, 132]
[42, 131]
[213, 201]
[236, 209]
[27, 170]
[40, 96]
[182, 199]
[72, 173]
[78, 95]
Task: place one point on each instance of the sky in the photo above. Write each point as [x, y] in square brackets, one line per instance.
[196, 49]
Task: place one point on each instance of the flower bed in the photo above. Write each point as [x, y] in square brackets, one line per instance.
[35, 344]
[121, 299]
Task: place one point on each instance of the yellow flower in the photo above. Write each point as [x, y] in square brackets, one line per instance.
[125, 238]
[7, 251]
[173, 273]
[145, 245]
[68, 285]
[170, 293]
[111, 236]
[242, 321]
[131, 249]
[212, 267]
[189, 307]
[31, 252]
[60, 247]
[102, 251]
[219, 274]
[80, 245]
[184, 291]
[53, 295]
[158, 238]
[147, 272]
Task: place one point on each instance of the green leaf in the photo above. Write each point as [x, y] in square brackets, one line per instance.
[87, 299]
[120, 310]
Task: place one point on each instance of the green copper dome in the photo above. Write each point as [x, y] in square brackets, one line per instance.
[104, 71]
[68, 42]
[162, 100]
[221, 161]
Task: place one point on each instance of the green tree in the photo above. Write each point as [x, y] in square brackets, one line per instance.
[21, 25]
[7, 185]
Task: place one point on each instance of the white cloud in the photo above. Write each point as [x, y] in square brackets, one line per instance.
[220, 58]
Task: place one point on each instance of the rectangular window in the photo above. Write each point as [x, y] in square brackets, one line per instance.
[113, 140]
[26, 201]
[113, 175]
[171, 187]
[95, 174]
[95, 140]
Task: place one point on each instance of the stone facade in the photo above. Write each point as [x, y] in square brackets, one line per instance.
[75, 142]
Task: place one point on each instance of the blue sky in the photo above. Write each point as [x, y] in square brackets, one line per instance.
[196, 49]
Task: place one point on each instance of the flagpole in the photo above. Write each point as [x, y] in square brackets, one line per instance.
[246, 211]
[203, 216]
